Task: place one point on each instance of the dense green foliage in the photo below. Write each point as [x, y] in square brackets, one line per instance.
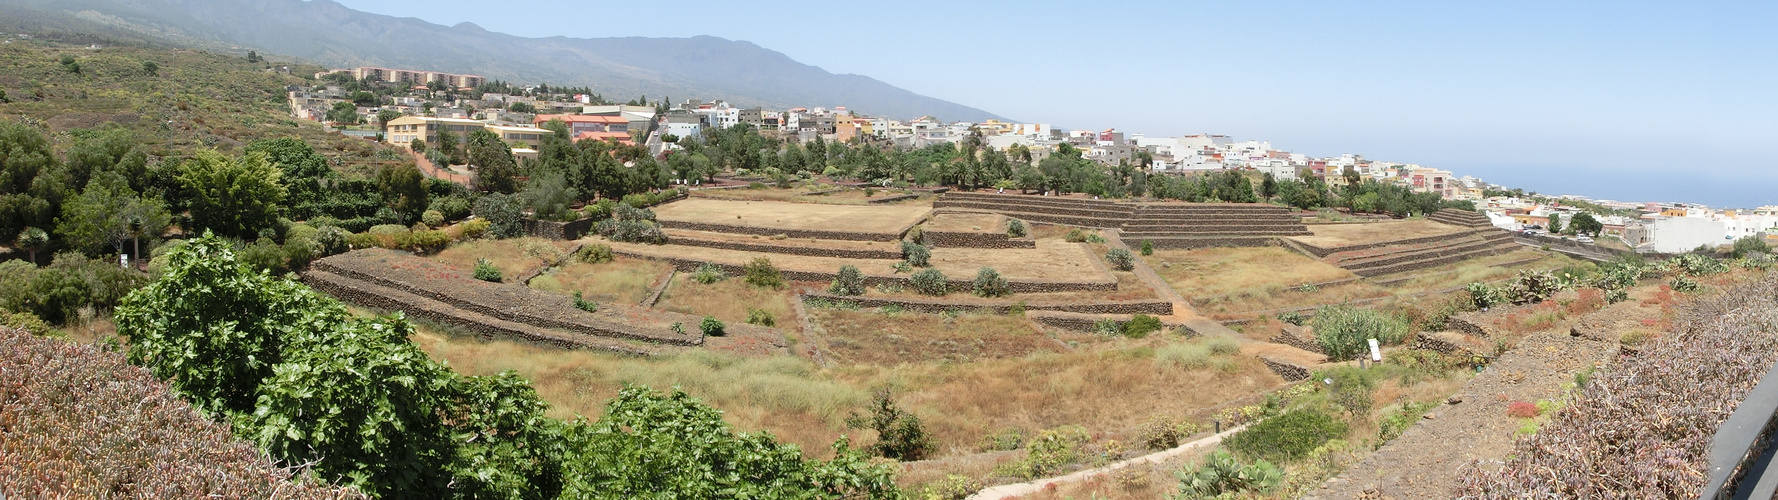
[930, 281]
[915, 254]
[1221, 475]
[1120, 259]
[1286, 437]
[849, 281]
[1141, 325]
[989, 283]
[761, 273]
[296, 373]
[899, 433]
[1343, 331]
[485, 271]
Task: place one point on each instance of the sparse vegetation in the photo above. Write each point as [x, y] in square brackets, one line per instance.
[915, 254]
[989, 283]
[1120, 259]
[848, 281]
[930, 282]
[1015, 228]
[1286, 437]
[761, 273]
[485, 271]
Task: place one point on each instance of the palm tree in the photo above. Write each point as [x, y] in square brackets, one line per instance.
[32, 240]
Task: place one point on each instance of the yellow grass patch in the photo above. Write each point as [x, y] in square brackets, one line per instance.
[515, 257]
[728, 300]
[623, 279]
[1216, 272]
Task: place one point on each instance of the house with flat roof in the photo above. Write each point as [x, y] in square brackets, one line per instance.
[404, 130]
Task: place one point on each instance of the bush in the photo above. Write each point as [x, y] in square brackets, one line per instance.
[849, 281]
[584, 304]
[486, 271]
[1147, 247]
[503, 214]
[1286, 437]
[331, 240]
[1531, 287]
[1223, 345]
[989, 283]
[594, 254]
[1351, 389]
[449, 208]
[1484, 296]
[761, 317]
[930, 282]
[708, 273]
[1016, 228]
[761, 273]
[1120, 259]
[1048, 452]
[915, 254]
[1220, 475]
[1075, 236]
[1141, 325]
[900, 434]
[711, 326]
[423, 242]
[630, 224]
[1294, 317]
[1342, 330]
[1163, 432]
[432, 218]
[475, 228]
[1692, 264]
[1683, 284]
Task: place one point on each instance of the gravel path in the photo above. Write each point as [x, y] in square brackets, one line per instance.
[1424, 461]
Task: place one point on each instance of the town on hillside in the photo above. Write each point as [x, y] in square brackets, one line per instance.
[400, 106]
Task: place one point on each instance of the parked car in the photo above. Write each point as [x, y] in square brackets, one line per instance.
[1584, 239]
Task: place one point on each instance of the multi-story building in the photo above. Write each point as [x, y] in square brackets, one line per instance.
[412, 77]
[403, 131]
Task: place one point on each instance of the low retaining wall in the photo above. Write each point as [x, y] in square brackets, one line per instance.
[1450, 343]
[1289, 371]
[892, 199]
[960, 239]
[1468, 323]
[937, 306]
[487, 328]
[955, 285]
[887, 253]
[1322, 252]
[793, 233]
[1208, 242]
[1297, 339]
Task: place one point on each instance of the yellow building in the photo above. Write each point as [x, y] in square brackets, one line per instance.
[529, 136]
[403, 131]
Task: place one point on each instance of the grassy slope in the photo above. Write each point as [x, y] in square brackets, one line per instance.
[195, 100]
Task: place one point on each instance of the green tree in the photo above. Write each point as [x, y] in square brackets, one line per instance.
[384, 116]
[343, 114]
[151, 68]
[109, 213]
[404, 190]
[1268, 187]
[1585, 223]
[233, 197]
[503, 213]
[447, 142]
[1751, 244]
[253, 56]
[32, 183]
[33, 240]
[1555, 223]
[495, 169]
[522, 107]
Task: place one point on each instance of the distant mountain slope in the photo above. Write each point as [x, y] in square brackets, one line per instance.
[619, 68]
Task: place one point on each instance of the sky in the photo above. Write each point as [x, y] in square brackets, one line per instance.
[1620, 100]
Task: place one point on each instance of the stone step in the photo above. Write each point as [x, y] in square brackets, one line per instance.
[1393, 255]
[1195, 242]
[1435, 262]
[848, 249]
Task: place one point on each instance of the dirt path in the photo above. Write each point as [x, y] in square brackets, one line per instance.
[1183, 313]
[1005, 491]
[1424, 461]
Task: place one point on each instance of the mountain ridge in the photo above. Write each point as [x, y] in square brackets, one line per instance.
[328, 33]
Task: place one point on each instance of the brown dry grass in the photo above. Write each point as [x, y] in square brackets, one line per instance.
[785, 395]
[1478, 269]
[515, 257]
[890, 219]
[876, 338]
[1219, 272]
[1051, 260]
[849, 196]
[728, 300]
[1334, 235]
[623, 279]
[962, 222]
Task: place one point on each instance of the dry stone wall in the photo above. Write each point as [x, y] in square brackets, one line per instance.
[486, 327]
[955, 285]
[1450, 343]
[886, 253]
[961, 239]
[1289, 371]
[936, 306]
[793, 233]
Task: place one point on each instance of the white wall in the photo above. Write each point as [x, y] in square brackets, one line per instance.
[1682, 234]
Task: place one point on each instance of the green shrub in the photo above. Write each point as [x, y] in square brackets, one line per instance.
[1484, 296]
[708, 273]
[915, 254]
[930, 282]
[1164, 432]
[1016, 228]
[1141, 325]
[1683, 284]
[760, 272]
[432, 218]
[1075, 236]
[1223, 345]
[951, 487]
[989, 283]
[486, 271]
[761, 317]
[1004, 440]
[1107, 328]
[1220, 475]
[449, 208]
[1351, 389]
[503, 213]
[584, 304]
[1532, 286]
[26, 322]
[1048, 452]
[711, 326]
[1120, 259]
[900, 434]
[1286, 437]
[594, 254]
[1342, 330]
[1147, 247]
[1294, 317]
[475, 228]
[423, 242]
[849, 281]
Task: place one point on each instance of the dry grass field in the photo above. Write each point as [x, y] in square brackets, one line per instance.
[966, 222]
[515, 257]
[890, 219]
[729, 300]
[623, 279]
[876, 338]
[1334, 235]
[1218, 272]
[1051, 260]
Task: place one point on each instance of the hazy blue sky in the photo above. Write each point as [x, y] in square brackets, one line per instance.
[1633, 101]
